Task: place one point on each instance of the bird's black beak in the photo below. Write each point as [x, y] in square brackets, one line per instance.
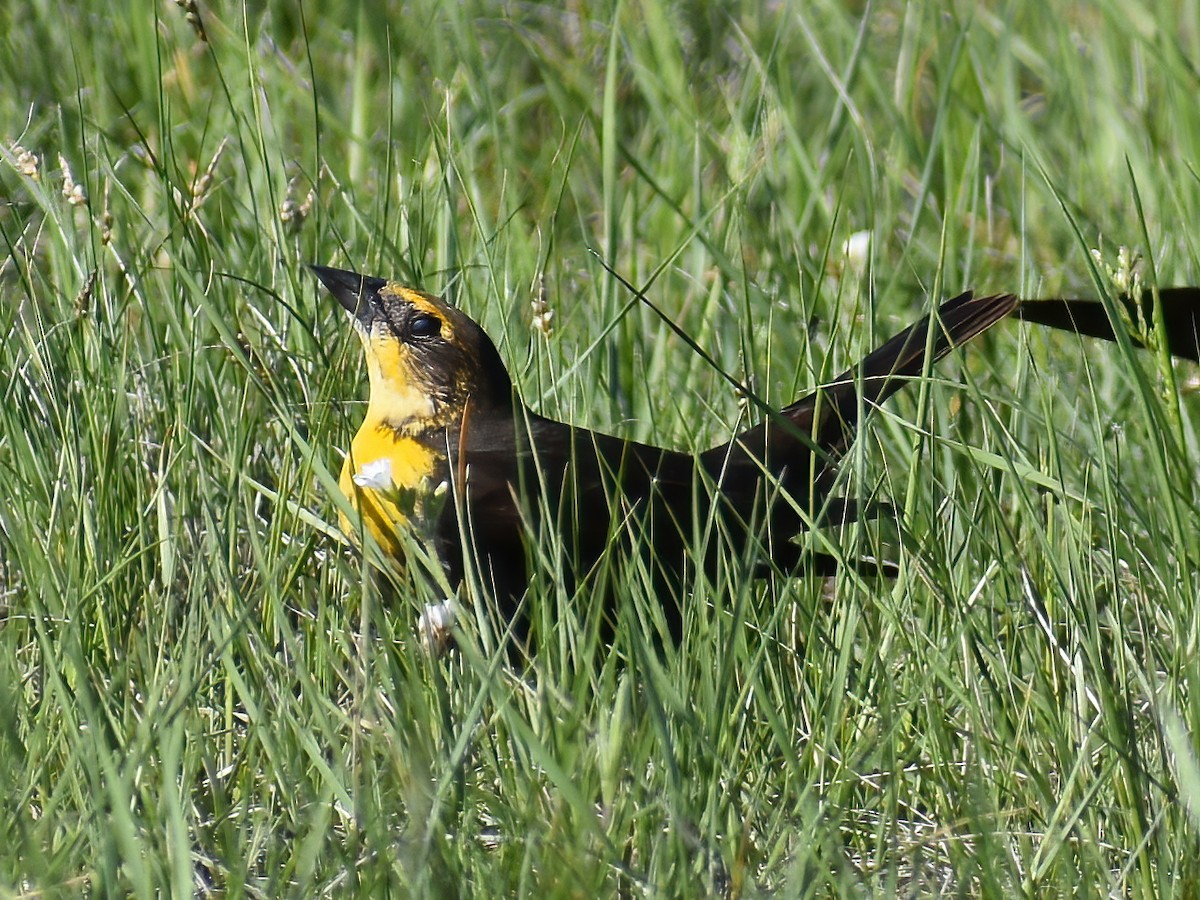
[355, 292]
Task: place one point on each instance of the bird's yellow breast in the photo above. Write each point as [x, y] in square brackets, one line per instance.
[387, 477]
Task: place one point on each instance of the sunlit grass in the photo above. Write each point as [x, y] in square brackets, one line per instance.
[200, 691]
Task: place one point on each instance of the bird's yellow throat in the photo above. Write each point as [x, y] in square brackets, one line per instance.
[387, 450]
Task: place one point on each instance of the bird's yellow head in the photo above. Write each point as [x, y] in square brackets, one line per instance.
[425, 359]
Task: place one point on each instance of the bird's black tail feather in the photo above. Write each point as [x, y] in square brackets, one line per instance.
[1181, 314]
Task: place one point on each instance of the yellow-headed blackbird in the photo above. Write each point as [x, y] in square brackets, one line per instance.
[443, 421]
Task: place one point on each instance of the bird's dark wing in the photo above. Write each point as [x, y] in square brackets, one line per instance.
[1181, 314]
[528, 451]
[519, 469]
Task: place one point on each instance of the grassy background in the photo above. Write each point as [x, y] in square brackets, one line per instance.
[200, 692]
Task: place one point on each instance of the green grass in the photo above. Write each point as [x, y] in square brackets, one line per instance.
[199, 691]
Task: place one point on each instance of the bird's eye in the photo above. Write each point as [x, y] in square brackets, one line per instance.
[425, 326]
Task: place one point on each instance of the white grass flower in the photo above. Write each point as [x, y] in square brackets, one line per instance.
[375, 475]
[438, 616]
[204, 185]
[857, 250]
[27, 162]
[1127, 268]
[541, 321]
[1126, 275]
[192, 14]
[435, 624]
[293, 212]
[542, 313]
[72, 192]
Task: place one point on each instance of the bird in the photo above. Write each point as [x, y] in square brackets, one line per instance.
[448, 451]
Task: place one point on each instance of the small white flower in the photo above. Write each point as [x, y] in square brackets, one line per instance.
[856, 249]
[375, 475]
[435, 624]
[438, 616]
